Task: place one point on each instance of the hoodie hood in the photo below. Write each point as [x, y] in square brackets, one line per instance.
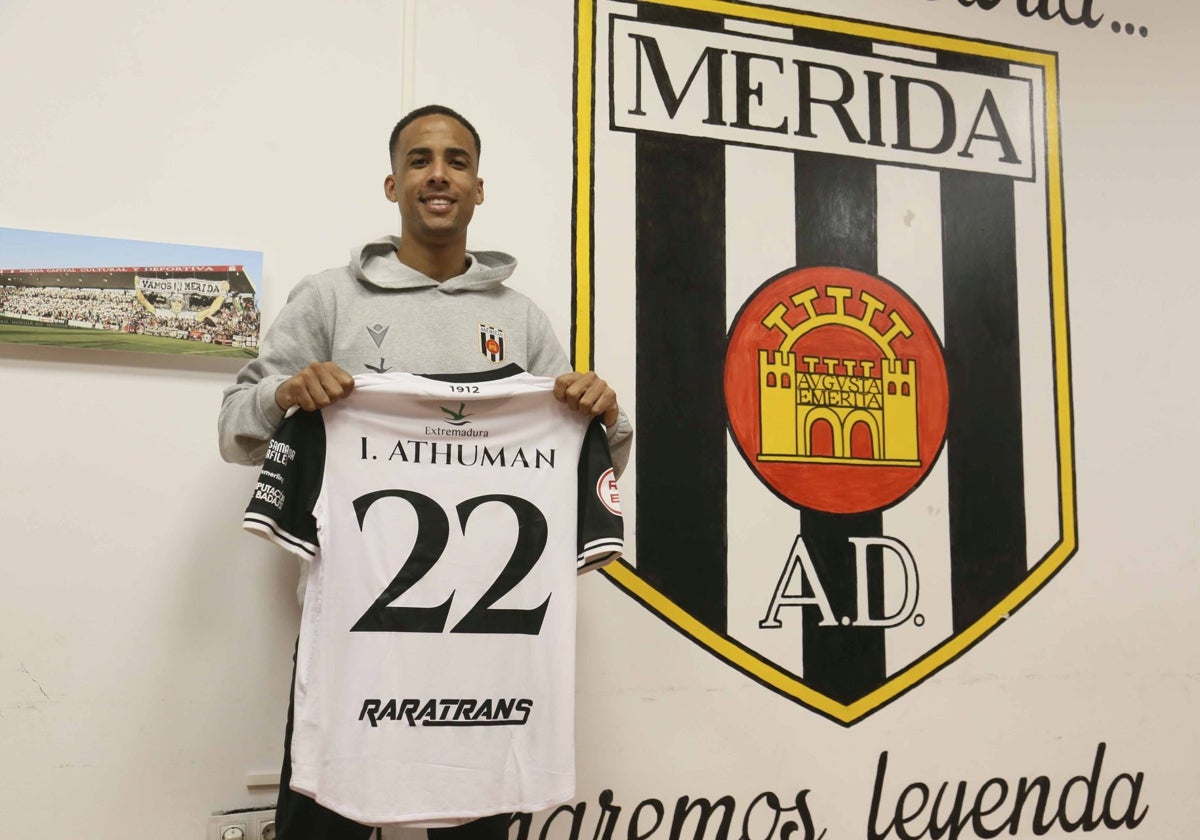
[376, 264]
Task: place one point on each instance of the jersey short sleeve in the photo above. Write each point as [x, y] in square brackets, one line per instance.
[601, 527]
[281, 508]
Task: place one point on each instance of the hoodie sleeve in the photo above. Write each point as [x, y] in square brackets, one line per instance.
[249, 414]
[620, 441]
[547, 358]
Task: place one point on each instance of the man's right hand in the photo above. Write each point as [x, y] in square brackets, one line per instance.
[319, 385]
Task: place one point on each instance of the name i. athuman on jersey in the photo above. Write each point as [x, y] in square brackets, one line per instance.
[435, 453]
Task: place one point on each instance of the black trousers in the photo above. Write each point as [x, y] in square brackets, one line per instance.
[300, 817]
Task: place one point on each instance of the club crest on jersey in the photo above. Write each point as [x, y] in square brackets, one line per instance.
[491, 342]
[854, 454]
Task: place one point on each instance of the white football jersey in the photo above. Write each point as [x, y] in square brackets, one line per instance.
[446, 519]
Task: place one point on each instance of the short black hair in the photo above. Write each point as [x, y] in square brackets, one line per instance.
[425, 111]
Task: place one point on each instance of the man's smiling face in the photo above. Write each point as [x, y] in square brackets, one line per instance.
[435, 180]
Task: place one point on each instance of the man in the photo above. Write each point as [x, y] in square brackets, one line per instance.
[420, 303]
[413, 304]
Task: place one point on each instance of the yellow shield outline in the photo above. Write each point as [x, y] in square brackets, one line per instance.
[624, 575]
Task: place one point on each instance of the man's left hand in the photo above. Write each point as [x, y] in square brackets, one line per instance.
[588, 393]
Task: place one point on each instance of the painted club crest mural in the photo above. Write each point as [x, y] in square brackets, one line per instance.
[842, 247]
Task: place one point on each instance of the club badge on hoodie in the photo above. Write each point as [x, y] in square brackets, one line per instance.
[491, 342]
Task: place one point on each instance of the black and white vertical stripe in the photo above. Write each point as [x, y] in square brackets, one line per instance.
[711, 223]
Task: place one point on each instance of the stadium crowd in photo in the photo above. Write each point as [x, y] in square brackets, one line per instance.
[177, 309]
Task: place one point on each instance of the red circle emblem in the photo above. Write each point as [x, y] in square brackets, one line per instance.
[608, 493]
[835, 386]
[493, 346]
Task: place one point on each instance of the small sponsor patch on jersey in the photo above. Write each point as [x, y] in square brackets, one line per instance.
[271, 495]
[607, 492]
[456, 417]
[491, 342]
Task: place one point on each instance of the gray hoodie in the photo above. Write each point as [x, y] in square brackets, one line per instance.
[379, 315]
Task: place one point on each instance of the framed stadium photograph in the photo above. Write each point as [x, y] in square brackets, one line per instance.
[116, 294]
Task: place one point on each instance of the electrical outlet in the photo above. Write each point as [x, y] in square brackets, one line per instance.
[264, 826]
[228, 827]
[242, 824]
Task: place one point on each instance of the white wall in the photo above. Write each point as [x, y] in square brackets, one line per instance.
[145, 641]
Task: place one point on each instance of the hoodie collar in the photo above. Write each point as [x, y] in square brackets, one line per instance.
[376, 264]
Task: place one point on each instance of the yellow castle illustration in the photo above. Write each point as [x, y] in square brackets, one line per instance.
[857, 411]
